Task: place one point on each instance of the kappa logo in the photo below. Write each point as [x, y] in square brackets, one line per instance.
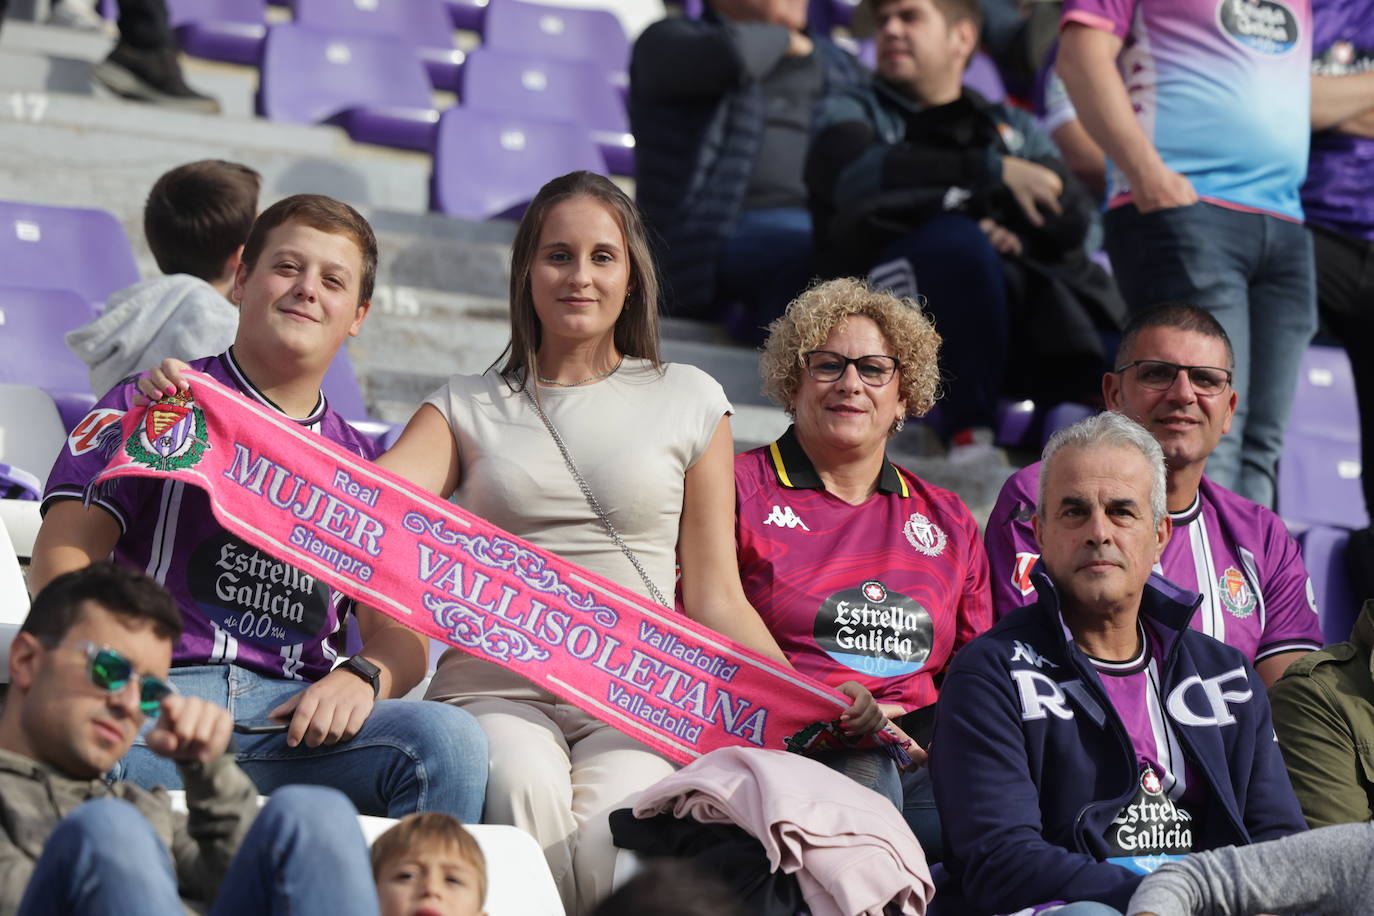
[784, 517]
[94, 430]
[1236, 593]
[924, 535]
[172, 435]
[1020, 574]
[1028, 654]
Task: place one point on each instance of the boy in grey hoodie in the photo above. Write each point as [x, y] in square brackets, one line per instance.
[196, 221]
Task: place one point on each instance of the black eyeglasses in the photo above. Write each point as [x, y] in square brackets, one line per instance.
[112, 672]
[1159, 375]
[827, 366]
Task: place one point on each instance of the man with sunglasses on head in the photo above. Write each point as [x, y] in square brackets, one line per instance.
[1173, 377]
[87, 670]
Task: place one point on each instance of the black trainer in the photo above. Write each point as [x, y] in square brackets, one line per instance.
[151, 75]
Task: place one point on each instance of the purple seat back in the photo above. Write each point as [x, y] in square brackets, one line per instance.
[1014, 422]
[65, 248]
[1319, 473]
[1325, 397]
[33, 323]
[341, 389]
[982, 77]
[489, 164]
[248, 12]
[523, 84]
[467, 14]
[1323, 553]
[422, 23]
[1062, 415]
[557, 32]
[228, 30]
[310, 76]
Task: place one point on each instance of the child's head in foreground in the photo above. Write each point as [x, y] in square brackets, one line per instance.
[428, 865]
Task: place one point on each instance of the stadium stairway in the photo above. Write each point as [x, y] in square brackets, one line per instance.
[440, 305]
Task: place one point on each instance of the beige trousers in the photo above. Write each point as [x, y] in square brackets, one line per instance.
[556, 772]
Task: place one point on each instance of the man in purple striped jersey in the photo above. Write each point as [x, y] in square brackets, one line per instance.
[1173, 376]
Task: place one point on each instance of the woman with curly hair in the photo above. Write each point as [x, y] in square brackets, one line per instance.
[861, 570]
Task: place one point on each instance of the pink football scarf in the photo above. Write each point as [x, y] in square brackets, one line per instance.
[655, 675]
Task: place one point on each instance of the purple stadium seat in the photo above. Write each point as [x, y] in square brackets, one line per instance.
[65, 248]
[375, 88]
[1062, 415]
[982, 77]
[1325, 397]
[489, 164]
[423, 24]
[521, 84]
[1323, 553]
[227, 30]
[467, 14]
[1319, 473]
[33, 352]
[340, 387]
[1014, 422]
[559, 33]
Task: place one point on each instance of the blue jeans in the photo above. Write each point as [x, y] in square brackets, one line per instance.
[870, 768]
[1082, 908]
[918, 809]
[304, 855]
[411, 755]
[764, 264]
[1255, 274]
[959, 275]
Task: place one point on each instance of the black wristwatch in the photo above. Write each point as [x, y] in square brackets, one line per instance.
[365, 670]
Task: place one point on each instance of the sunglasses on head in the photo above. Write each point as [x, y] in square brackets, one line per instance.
[112, 672]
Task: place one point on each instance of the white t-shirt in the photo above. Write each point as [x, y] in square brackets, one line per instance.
[633, 436]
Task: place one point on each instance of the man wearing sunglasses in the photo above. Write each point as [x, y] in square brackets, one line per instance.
[1173, 376]
[87, 671]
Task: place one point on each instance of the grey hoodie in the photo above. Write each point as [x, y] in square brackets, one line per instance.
[1329, 871]
[177, 315]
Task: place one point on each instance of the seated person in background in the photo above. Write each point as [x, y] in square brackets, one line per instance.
[722, 110]
[1324, 718]
[260, 637]
[861, 570]
[932, 190]
[86, 668]
[1089, 734]
[428, 865]
[1328, 871]
[1173, 377]
[196, 220]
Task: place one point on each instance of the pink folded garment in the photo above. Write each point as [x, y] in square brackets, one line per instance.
[850, 848]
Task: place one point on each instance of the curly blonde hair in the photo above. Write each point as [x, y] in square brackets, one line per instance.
[811, 317]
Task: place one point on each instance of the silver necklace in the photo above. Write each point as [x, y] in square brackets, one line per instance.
[582, 381]
[592, 501]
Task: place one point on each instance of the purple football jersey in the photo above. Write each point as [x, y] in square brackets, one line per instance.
[239, 605]
[1256, 594]
[1339, 193]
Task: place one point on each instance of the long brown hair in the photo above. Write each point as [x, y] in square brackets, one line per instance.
[636, 330]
